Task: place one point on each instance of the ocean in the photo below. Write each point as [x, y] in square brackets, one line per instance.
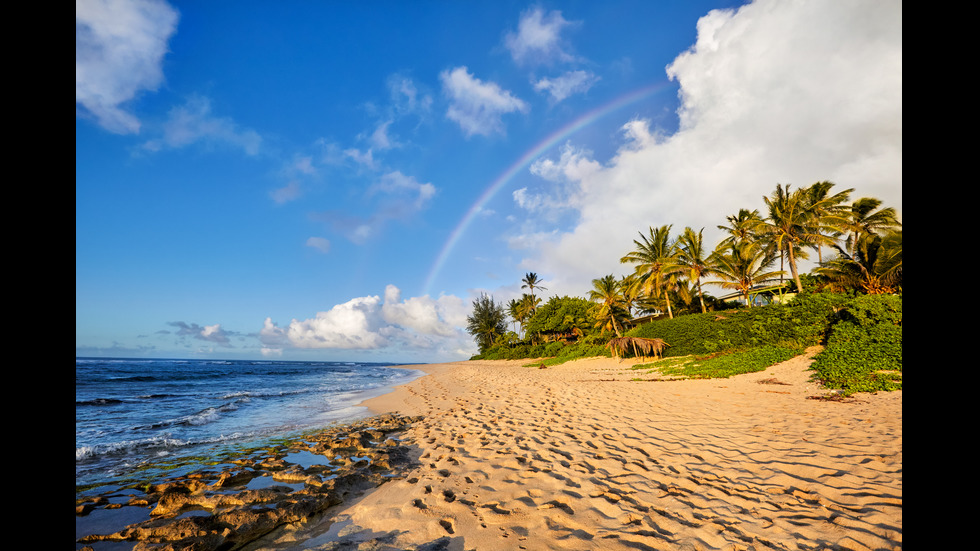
[150, 416]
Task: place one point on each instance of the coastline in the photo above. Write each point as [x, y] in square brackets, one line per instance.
[581, 456]
[584, 456]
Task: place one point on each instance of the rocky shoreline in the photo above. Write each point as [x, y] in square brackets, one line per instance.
[251, 496]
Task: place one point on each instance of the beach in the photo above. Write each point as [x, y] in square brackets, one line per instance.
[581, 456]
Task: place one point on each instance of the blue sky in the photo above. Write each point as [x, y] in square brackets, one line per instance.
[339, 180]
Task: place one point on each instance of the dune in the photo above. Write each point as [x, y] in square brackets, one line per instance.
[579, 456]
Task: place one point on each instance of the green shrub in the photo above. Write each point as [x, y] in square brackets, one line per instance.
[864, 350]
[802, 322]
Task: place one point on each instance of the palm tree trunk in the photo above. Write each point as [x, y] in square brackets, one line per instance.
[792, 269]
[701, 296]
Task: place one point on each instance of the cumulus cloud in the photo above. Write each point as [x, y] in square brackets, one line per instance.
[562, 177]
[774, 92]
[119, 50]
[572, 82]
[193, 122]
[478, 106]
[538, 38]
[373, 323]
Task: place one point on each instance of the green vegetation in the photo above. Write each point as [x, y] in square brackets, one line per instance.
[864, 349]
[851, 303]
[721, 367]
[488, 322]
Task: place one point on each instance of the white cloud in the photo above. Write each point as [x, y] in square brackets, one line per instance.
[380, 138]
[319, 243]
[193, 122]
[399, 185]
[572, 82]
[573, 165]
[478, 106]
[373, 323]
[775, 92]
[538, 38]
[424, 315]
[352, 325]
[563, 177]
[119, 50]
[363, 158]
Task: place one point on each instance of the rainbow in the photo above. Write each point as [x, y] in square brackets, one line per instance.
[525, 160]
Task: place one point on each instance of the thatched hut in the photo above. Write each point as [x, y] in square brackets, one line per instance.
[619, 345]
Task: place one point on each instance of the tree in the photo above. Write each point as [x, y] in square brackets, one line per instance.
[788, 224]
[527, 306]
[744, 266]
[514, 311]
[694, 259]
[742, 226]
[656, 262]
[629, 287]
[532, 282]
[610, 310]
[864, 219]
[829, 214]
[874, 268]
[488, 322]
[559, 317]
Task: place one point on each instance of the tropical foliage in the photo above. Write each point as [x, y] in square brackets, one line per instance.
[657, 266]
[488, 323]
[858, 246]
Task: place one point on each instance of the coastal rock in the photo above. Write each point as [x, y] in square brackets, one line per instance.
[212, 510]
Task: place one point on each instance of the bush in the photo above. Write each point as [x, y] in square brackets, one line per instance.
[864, 350]
[802, 322]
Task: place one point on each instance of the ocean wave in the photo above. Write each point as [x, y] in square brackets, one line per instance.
[203, 417]
[156, 445]
[98, 402]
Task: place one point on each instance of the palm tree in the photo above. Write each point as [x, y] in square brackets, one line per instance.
[488, 322]
[744, 266]
[788, 225]
[742, 226]
[874, 268]
[526, 307]
[656, 260]
[532, 282]
[864, 219]
[514, 311]
[630, 288]
[694, 259]
[829, 214]
[610, 310]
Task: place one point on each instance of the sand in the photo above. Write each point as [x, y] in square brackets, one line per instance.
[578, 456]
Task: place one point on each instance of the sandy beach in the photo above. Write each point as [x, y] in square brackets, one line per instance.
[579, 456]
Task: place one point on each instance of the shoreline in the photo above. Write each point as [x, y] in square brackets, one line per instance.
[582, 456]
